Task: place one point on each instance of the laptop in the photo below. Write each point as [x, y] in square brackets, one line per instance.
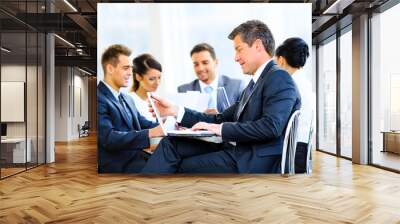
[174, 131]
[222, 98]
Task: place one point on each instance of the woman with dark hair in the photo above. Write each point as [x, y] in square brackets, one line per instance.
[146, 78]
[292, 55]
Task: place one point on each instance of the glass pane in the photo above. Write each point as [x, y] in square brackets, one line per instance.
[32, 84]
[41, 98]
[346, 94]
[31, 97]
[13, 85]
[385, 89]
[327, 97]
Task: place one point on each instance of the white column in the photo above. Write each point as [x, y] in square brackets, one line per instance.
[50, 92]
[360, 90]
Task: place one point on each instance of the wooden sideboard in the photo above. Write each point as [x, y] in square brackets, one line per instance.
[391, 141]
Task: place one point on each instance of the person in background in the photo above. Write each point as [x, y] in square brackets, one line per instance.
[292, 55]
[205, 65]
[146, 78]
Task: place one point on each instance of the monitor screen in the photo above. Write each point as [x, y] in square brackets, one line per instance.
[3, 129]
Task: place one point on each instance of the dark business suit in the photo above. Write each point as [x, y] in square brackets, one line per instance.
[121, 138]
[233, 88]
[257, 126]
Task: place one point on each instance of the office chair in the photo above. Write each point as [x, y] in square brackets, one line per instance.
[309, 149]
[84, 130]
[290, 144]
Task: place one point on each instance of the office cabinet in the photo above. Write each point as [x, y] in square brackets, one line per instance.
[391, 141]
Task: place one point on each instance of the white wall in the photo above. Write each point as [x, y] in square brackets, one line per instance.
[12, 73]
[33, 127]
[71, 96]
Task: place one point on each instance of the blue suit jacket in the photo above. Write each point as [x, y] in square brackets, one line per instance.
[233, 88]
[259, 129]
[118, 140]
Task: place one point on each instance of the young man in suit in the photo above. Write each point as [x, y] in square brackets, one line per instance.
[205, 66]
[122, 132]
[252, 129]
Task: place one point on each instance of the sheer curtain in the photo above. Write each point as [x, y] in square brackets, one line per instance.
[169, 32]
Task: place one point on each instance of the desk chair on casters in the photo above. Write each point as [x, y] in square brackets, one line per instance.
[289, 145]
[83, 130]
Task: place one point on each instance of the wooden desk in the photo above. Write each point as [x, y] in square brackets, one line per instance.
[391, 141]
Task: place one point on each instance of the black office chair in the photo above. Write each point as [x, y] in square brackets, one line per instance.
[84, 130]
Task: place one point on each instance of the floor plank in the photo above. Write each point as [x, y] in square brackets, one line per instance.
[71, 191]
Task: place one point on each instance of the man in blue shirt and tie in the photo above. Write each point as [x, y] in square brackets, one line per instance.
[205, 65]
[252, 129]
[122, 132]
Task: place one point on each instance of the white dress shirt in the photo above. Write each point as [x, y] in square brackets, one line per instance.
[259, 70]
[142, 106]
[307, 106]
[214, 87]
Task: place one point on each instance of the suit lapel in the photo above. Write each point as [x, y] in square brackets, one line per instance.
[196, 85]
[132, 109]
[260, 80]
[123, 112]
[110, 96]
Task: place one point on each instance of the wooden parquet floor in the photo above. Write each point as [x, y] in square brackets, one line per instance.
[71, 191]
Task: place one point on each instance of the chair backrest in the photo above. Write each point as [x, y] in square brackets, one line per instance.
[86, 125]
[309, 149]
[289, 144]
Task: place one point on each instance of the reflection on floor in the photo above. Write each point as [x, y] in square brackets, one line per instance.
[10, 169]
[386, 159]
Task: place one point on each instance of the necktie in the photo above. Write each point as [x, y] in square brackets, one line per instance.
[245, 97]
[126, 111]
[249, 89]
[211, 102]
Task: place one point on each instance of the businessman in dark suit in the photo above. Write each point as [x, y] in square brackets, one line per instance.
[122, 132]
[252, 129]
[205, 64]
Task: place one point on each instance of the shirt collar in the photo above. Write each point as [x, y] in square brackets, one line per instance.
[260, 69]
[213, 84]
[115, 93]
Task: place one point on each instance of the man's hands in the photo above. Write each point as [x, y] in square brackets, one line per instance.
[151, 149]
[215, 128]
[164, 107]
[211, 111]
[156, 132]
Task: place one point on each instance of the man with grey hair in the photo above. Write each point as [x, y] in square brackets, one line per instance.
[252, 129]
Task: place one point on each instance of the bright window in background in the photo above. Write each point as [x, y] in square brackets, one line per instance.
[169, 32]
[346, 94]
[385, 84]
[327, 97]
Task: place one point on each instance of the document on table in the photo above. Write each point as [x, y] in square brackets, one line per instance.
[192, 99]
